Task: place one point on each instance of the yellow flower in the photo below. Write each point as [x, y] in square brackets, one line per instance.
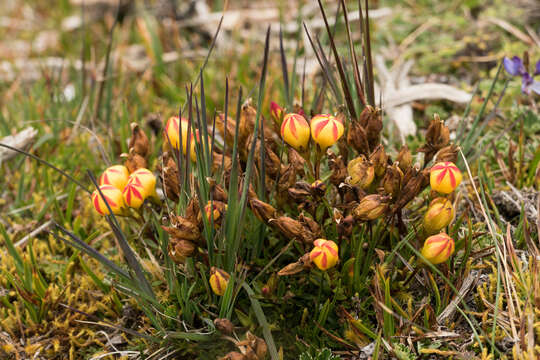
[172, 132]
[141, 185]
[438, 248]
[218, 281]
[133, 195]
[295, 131]
[326, 130]
[445, 177]
[116, 176]
[146, 180]
[325, 254]
[439, 214]
[113, 196]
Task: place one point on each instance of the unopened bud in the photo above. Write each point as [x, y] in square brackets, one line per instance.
[276, 112]
[113, 196]
[219, 279]
[438, 248]
[295, 131]
[438, 215]
[326, 130]
[444, 177]
[116, 175]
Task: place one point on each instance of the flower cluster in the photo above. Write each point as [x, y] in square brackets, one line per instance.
[129, 185]
[444, 178]
[325, 130]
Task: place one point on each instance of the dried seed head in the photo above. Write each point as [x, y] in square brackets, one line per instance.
[361, 172]
[326, 130]
[339, 171]
[445, 177]
[392, 180]
[234, 355]
[180, 250]
[183, 228]
[263, 211]
[292, 229]
[113, 196]
[296, 161]
[219, 279]
[138, 141]
[116, 175]
[437, 137]
[379, 159]
[404, 158]
[325, 254]
[439, 214]
[300, 192]
[438, 248]
[413, 183]
[371, 207]
[295, 131]
[294, 268]
[134, 161]
[225, 326]
[357, 138]
[371, 120]
[447, 153]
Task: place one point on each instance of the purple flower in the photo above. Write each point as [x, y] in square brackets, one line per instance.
[515, 67]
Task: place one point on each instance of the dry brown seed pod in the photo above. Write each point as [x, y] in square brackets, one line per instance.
[404, 158]
[361, 172]
[181, 249]
[291, 228]
[373, 126]
[224, 325]
[294, 268]
[448, 153]
[379, 159]
[184, 228]
[134, 161]
[263, 211]
[138, 141]
[437, 137]
[234, 355]
[371, 207]
[392, 180]
[357, 138]
[339, 171]
[413, 183]
[297, 161]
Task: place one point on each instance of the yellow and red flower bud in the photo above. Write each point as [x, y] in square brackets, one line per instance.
[326, 130]
[116, 175]
[444, 177]
[276, 112]
[219, 279]
[439, 214]
[325, 254]
[295, 131]
[146, 180]
[113, 196]
[134, 195]
[172, 132]
[438, 248]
